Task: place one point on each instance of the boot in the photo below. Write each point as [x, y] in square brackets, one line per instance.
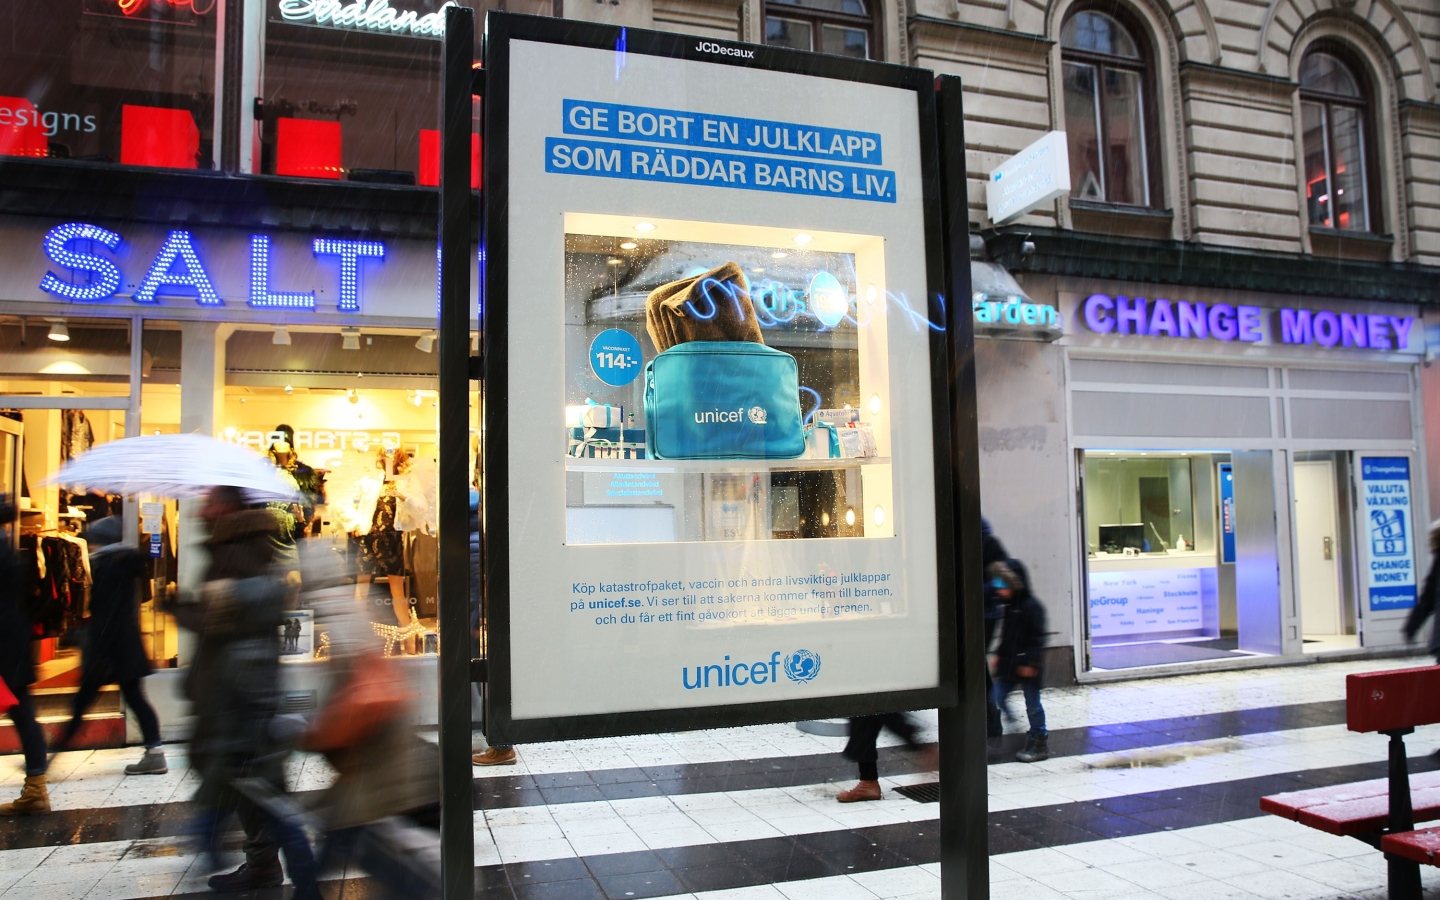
[34, 799]
[247, 878]
[1037, 749]
[152, 763]
[495, 757]
[865, 790]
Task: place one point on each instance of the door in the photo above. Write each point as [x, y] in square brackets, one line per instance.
[1316, 544]
[12, 451]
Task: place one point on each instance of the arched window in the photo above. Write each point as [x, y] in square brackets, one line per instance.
[1107, 81]
[1332, 111]
[841, 27]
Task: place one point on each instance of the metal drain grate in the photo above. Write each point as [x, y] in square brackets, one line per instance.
[926, 792]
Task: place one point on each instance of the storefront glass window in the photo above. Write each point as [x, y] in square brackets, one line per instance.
[117, 81]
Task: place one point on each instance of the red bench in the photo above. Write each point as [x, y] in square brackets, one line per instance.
[1382, 812]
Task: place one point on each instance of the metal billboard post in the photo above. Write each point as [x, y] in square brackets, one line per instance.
[964, 808]
[457, 836]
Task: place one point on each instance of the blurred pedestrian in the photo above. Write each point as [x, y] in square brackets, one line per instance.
[1020, 654]
[991, 551]
[493, 754]
[114, 652]
[861, 749]
[19, 673]
[234, 685]
[1425, 604]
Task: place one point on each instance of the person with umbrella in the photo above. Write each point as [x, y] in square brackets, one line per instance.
[115, 653]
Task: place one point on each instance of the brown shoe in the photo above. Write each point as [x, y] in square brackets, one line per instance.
[34, 799]
[494, 757]
[865, 790]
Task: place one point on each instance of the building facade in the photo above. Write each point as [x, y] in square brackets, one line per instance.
[229, 209]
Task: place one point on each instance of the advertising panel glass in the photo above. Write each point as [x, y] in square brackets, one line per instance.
[721, 361]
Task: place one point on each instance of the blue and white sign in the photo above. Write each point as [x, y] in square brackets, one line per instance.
[1389, 530]
[615, 357]
[1227, 513]
[1149, 602]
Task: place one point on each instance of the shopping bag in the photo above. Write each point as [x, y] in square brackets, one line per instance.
[7, 699]
[375, 694]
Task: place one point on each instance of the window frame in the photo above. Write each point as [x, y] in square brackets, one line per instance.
[1144, 68]
[1363, 106]
[818, 19]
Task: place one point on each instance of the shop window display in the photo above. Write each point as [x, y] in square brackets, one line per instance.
[724, 385]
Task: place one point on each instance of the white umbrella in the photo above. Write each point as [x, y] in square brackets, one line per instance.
[183, 466]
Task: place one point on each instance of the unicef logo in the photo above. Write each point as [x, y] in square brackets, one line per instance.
[802, 666]
[758, 415]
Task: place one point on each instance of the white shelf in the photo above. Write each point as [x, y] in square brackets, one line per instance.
[713, 466]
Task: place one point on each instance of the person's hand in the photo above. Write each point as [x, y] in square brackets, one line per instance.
[1026, 671]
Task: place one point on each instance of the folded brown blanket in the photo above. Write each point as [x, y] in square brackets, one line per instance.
[714, 306]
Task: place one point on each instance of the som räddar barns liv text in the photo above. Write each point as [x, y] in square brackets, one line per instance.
[688, 147]
[817, 591]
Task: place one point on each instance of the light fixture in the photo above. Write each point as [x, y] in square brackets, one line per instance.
[802, 239]
[282, 336]
[779, 254]
[874, 404]
[614, 261]
[825, 519]
[289, 389]
[351, 338]
[474, 342]
[58, 330]
[879, 515]
[758, 270]
[849, 517]
[352, 395]
[644, 226]
[628, 245]
[426, 343]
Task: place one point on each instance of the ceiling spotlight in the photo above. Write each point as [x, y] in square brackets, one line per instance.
[58, 330]
[289, 389]
[644, 226]
[779, 254]
[628, 245]
[352, 395]
[351, 339]
[282, 336]
[803, 239]
[426, 343]
[614, 261]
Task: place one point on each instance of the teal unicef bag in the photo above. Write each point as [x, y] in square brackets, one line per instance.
[723, 400]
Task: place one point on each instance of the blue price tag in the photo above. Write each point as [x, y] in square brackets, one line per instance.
[615, 357]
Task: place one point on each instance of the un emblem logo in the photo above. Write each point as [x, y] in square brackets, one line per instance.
[759, 415]
[802, 666]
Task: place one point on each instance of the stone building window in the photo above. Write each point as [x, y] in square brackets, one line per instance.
[841, 27]
[1107, 77]
[1332, 111]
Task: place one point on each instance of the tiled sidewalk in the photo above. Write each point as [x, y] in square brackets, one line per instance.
[1151, 794]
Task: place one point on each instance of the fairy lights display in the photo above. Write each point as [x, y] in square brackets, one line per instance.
[261, 297]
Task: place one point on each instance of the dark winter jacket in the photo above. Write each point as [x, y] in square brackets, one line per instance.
[234, 681]
[991, 551]
[1022, 638]
[114, 646]
[16, 632]
[1425, 604]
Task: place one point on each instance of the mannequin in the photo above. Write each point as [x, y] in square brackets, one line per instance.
[382, 550]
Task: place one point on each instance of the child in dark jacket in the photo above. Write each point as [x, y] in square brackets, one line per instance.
[1021, 650]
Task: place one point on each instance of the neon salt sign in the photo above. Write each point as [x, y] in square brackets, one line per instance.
[179, 271]
[1104, 314]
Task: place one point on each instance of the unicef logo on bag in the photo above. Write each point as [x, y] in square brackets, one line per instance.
[802, 666]
[758, 415]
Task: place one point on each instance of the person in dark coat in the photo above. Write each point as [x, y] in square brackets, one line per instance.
[991, 551]
[234, 683]
[1426, 603]
[1021, 653]
[18, 672]
[115, 653]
